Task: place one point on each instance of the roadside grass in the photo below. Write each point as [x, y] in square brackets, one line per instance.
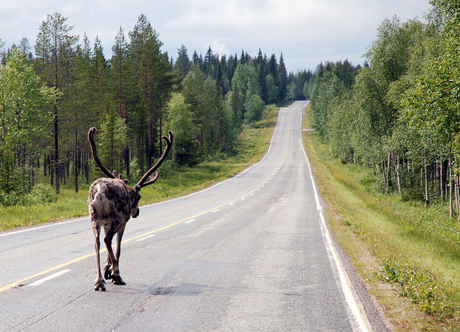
[408, 256]
[252, 144]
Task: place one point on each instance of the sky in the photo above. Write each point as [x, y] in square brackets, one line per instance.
[305, 32]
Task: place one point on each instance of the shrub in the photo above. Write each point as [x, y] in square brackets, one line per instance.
[40, 194]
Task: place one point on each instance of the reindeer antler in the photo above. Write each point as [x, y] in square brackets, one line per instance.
[91, 133]
[152, 179]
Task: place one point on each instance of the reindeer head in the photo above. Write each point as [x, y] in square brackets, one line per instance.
[134, 198]
[150, 177]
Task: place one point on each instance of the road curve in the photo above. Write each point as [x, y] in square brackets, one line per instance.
[253, 253]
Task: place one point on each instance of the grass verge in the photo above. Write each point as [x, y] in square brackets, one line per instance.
[408, 256]
[253, 142]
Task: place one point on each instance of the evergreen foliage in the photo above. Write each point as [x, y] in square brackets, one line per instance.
[25, 120]
[133, 98]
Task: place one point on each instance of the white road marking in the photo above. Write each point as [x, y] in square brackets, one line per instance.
[355, 305]
[44, 226]
[50, 277]
[189, 221]
[145, 237]
[215, 210]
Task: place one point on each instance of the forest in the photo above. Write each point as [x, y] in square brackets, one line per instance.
[49, 99]
[399, 114]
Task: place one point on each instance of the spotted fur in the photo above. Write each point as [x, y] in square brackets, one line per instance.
[111, 204]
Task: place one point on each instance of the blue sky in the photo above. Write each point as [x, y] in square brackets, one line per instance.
[305, 31]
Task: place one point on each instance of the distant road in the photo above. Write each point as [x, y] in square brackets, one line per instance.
[252, 253]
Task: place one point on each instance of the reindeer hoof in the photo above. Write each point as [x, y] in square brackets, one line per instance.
[99, 285]
[116, 280]
[107, 272]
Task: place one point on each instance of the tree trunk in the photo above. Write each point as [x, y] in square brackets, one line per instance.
[45, 164]
[127, 161]
[51, 170]
[441, 189]
[456, 196]
[86, 163]
[384, 172]
[451, 210]
[56, 125]
[389, 184]
[427, 195]
[398, 176]
[76, 154]
[457, 182]
[161, 133]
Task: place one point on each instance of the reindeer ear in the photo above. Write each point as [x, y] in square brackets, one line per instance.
[121, 178]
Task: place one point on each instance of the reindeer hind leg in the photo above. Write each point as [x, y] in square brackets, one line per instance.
[99, 284]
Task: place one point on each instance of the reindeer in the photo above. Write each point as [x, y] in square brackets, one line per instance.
[111, 203]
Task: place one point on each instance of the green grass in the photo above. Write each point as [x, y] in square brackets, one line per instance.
[252, 145]
[409, 256]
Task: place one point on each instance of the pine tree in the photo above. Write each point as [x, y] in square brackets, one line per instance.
[152, 72]
[82, 110]
[282, 78]
[53, 47]
[262, 81]
[120, 83]
[207, 65]
[183, 62]
[24, 46]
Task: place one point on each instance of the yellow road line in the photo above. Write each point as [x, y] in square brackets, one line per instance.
[39, 274]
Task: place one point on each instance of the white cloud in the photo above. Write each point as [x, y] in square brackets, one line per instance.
[305, 31]
[217, 47]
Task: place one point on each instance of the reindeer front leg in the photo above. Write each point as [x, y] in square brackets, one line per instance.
[108, 268]
[118, 280]
[108, 265]
[113, 272]
[119, 237]
[115, 276]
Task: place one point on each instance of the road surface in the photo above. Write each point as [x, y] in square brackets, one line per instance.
[253, 253]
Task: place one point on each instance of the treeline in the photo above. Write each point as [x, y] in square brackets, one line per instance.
[49, 100]
[401, 115]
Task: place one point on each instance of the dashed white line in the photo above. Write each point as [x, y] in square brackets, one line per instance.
[52, 276]
[145, 237]
[189, 221]
[215, 210]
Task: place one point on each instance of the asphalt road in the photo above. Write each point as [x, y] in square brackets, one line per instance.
[253, 253]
